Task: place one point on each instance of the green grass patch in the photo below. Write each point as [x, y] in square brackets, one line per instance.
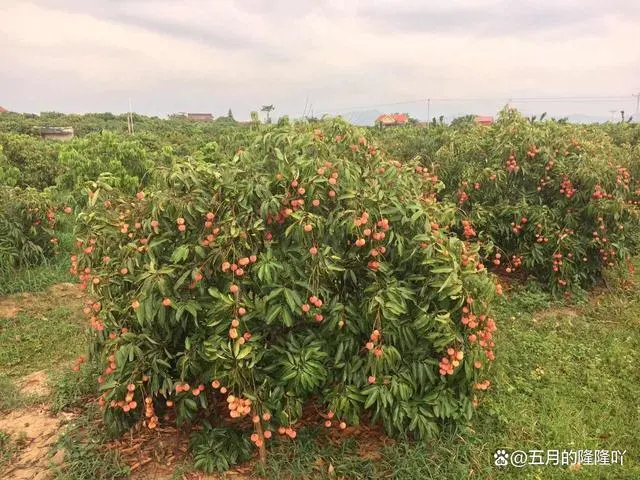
[12, 398]
[36, 278]
[73, 389]
[312, 456]
[566, 378]
[9, 448]
[31, 343]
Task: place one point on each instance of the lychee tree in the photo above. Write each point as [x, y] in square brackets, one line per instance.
[27, 227]
[306, 269]
[557, 201]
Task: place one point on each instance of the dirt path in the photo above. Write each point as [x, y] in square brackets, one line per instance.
[68, 295]
[35, 385]
[36, 431]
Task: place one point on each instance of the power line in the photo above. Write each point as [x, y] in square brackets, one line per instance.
[372, 106]
[563, 99]
[536, 99]
[595, 100]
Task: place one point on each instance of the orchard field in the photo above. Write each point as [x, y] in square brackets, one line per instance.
[318, 300]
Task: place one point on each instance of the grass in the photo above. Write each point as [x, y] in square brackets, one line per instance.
[566, 379]
[72, 389]
[38, 342]
[45, 338]
[8, 449]
[12, 398]
[312, 456]
[37, 278]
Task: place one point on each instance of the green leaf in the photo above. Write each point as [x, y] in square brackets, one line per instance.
[292, 298]
[244, 352]
[273, 313]
[180, 254]
[371, 399]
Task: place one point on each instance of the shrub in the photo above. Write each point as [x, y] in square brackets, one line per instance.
[306, 269]
[85, 158]
[27, 222]
[554, 199]
[218, 449]
[9, 175]
[32, 160]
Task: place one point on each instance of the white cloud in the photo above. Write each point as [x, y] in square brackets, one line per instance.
[241, 54]
[100, 51]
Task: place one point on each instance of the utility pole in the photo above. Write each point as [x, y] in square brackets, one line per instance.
[428, 111]
[130, 118]
[637, 95]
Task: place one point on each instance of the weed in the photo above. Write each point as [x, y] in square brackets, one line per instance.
[36, 278]
[71, 389]
[84, 455]
[8, 449]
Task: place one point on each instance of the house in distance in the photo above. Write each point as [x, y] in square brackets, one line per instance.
[392, 120]
[57, 133]
[483, 120]
[196, 117]
[200, 117]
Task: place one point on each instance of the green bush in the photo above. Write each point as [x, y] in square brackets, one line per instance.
[555, 200]
[304, 269]
[9, 175]
[27, 228]
[85, 158]
[35, 160]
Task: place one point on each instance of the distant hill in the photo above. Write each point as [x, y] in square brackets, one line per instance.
[578, 118]
[364, 117]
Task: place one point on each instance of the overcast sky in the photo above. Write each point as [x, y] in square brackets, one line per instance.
[209, 56]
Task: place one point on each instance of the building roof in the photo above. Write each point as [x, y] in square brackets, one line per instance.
[483, 120]
[200, 115]
[384, 118]
[401, 117]
[57, 130]
[393, 118]
[2, 110]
